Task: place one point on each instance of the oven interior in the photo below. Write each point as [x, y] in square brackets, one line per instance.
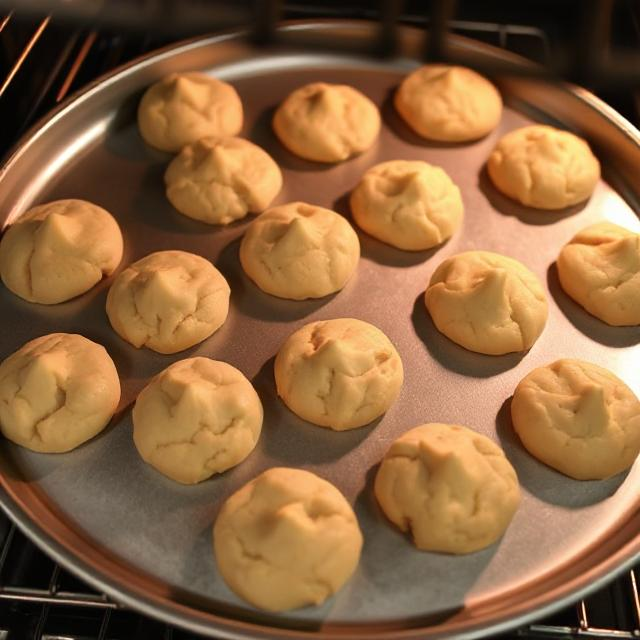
[48, 50]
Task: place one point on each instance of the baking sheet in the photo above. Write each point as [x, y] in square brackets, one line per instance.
[123, 510]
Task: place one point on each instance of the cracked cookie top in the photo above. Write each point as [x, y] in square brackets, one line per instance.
[600, 269]
[56, 392]
[544, 167]
[196, 418]
[168, 301]
[184, 107]
[578, 418]
[453, 489]
[448, 103]
[342, 373]
[327, 122]
[300, 251]
[487, 302]
[286, 539]
[219, 180]
[59, 250]
[410, 205]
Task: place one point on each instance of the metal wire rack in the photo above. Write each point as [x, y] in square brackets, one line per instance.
[50, 49]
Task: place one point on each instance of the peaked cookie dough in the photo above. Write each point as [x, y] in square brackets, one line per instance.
[578, 418]
[300, 251]
[219, 180]
[487, 302]
[56, 392]
[184, 107]
[600, 269]
[196, 418]
[411, 205]
[448, 104]
[327, 122]
[544, 167]
[341, 373]
[168, 301]
[451, 487]
[58, 250]
[286, 539]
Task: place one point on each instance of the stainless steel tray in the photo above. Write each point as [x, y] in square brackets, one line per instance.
[144, 540]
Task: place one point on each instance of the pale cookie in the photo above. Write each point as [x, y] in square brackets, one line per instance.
[196, 418]
[286, 539]
[219, 180]
[600, 269]
[327, 122]
[544, 167]
[56, 392]
[448, 104]
[578, 418]
[184, 107]
[453, 489]
[408, 204]
[341, 373]
[487, 302]
[168, 301]
[58, 250]
[300, 251]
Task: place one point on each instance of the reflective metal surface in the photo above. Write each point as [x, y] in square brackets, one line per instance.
[146, 540]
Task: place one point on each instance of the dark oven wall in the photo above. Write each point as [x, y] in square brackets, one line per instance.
[49, 50]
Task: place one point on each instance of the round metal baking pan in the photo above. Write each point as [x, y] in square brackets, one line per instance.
[144, 540]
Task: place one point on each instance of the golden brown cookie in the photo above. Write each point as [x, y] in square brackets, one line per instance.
[219, 180]
[286, 539]
[448, 103]
[59, 250]
[544, 167]
[327, 122]
[184, 107]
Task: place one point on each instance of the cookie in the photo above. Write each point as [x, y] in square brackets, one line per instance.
[196, 418]
[577, 418]
[600, 269]
[453, 489]
[168, 301]
[544, 167]
[487, 302]
[184, 107]
[286, 539]
[300, 251]
[56, 392]
[408, 204]
[341, 373]
[219, 180]
[448, 103]
[59, 250]
[327, 122]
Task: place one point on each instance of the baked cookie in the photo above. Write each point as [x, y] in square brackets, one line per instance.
[408, 204]
[453, 489]
[578, 418]
[600, 269]
[168, 301]
[448, 104]
[544, 167]
[327, 122]
[58, 250]
[219, 180]
[184, 107]
[196, 418]
[341, 373]
[487, 302]
[286, 539]
[300, 251]
[56, 392]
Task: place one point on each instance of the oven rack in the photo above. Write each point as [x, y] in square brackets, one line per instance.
[44, 58]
